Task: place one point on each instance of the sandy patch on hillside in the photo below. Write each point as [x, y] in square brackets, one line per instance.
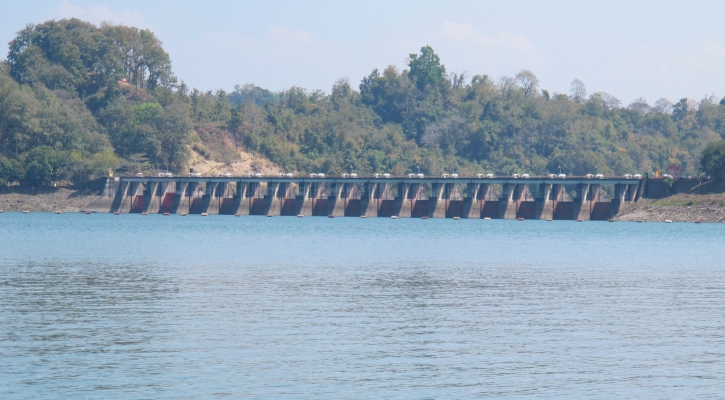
[245, 164]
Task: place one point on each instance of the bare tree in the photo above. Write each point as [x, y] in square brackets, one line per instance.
[640, 105]
[578, 91]
[458, 80]
[611, 101]
[528, 81]
[664, 106]
[507, 86]
[710, 100]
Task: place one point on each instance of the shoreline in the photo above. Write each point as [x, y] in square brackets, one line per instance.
[69, 199]
[63, 199]
[645, 211]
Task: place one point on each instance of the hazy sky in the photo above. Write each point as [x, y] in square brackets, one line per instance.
[629, 49]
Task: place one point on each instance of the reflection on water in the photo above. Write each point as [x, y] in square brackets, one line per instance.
[316, 308]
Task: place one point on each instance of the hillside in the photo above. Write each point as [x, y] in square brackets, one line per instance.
[77, 100]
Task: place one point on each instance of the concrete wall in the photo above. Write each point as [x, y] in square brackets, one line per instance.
[657, 188]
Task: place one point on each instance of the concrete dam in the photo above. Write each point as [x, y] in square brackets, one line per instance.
[547, 198]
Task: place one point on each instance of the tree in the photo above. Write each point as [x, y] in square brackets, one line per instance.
[507, 86]
[101, 162]
[640, 105]
[44, 165]
[682, 109]
[664, 106]
[10, 171]
[156, 61]
[341, 92]
[221, 106]
[528, 82]
[182, 90]
[578, 91]
[68, 54]
[235, 119]
[713, 160]
[426, 69]
[458, 80]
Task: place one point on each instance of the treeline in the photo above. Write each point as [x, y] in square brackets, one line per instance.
[76, 99]
[424, 118]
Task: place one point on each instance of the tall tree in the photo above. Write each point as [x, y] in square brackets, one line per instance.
[578, 91]
[713, 160]
[528, 82]
[426, 69]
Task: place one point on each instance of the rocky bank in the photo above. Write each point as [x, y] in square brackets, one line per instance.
[62, 199]
[648, 211]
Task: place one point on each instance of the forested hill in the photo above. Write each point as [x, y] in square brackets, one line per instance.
[77, 99]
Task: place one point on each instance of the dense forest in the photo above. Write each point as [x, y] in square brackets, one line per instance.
[78, 99]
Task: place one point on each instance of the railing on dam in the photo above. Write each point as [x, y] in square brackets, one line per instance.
[577, 198]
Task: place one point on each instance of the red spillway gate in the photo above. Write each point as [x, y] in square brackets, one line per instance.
[167, 203]
[137, 206]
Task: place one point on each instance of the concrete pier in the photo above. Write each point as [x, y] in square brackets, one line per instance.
[437, 203]
[510, 198]
[370, 200]
[581, 203]
[545, 202]
[303, 201]
[473, 203]
[336, 202]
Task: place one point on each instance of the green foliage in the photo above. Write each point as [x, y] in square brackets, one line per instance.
[10, 171]
[44, 165]
[713, 160]
[251, 93]
[473, 127]
[161, 133]
[76, 55]
[67, 109]
[426, 69]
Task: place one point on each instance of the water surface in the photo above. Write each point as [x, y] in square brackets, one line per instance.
[130, 306]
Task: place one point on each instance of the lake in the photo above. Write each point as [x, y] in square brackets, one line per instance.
[131, 306]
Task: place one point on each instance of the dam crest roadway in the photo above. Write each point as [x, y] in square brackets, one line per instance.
[547, 198]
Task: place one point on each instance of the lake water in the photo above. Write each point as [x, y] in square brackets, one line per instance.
[131, 306]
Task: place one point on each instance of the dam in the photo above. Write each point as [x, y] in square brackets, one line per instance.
[546, 198]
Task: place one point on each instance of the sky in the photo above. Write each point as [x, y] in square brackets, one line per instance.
[629, 49]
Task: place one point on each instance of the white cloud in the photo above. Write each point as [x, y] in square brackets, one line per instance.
[101, 13]
[503, 42]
